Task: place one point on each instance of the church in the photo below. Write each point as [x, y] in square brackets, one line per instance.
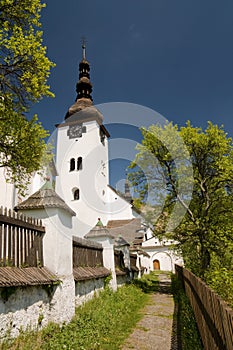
[81, 173]
[82, 161]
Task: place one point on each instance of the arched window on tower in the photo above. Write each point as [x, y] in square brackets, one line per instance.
[79, 163]
[76, 194]
[72, 164]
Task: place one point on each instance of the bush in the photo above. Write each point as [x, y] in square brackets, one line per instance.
[221, 281]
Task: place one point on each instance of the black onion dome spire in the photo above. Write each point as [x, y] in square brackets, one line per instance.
[83, 87]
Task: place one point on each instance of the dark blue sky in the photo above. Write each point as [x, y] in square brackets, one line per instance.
[175, 57]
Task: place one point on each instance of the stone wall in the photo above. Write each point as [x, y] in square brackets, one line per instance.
[30, 306]
[85, 290]
[121, 280]
[33, 307]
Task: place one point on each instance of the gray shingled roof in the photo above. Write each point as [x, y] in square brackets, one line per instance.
[86, 242]
[128, 229]
[44, 198]
[120, 241]
[98, 231]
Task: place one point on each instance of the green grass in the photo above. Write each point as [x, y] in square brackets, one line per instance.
[148, 283]
[102, 323]
[106, 321]
[188, 334]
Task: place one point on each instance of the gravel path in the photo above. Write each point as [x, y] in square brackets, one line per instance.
[155, 330]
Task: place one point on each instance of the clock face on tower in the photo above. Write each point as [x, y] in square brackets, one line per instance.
[75, 131]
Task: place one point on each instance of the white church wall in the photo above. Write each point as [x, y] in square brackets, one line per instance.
[9, 196]
[155, 241]
[96, 198]
[118, 208]
[91, 180]
[37, 181]
[8, 193]
[94, 158]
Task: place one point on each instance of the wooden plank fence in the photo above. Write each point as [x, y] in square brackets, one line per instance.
[87, 254]
[133, 262]
[213, 316]
[119, 259]
[20, 240]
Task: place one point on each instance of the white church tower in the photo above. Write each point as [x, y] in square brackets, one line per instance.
[82, 161]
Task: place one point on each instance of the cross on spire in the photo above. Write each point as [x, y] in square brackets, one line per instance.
[83, 86]
[84, 48]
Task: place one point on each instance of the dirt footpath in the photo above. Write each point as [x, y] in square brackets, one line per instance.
[155, 330]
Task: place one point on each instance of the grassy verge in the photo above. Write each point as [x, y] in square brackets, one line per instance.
[105, 321]
[148, 283]
[188, 334]
[102, 323]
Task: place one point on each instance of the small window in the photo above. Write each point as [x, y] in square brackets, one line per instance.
[102, 136]
[76, 194]
[79, 163]
[72, 164]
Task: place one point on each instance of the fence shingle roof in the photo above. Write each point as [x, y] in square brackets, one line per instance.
[87, 273]
[27, 276]
[44, 198]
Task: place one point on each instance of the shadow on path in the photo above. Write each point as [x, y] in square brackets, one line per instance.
[175, 336]
[166, 288]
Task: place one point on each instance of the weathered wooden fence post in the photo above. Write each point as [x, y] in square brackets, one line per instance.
[213, 316]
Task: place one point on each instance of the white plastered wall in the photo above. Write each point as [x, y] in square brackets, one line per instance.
[163, 252]
[96, 200]
[58, 258]
[8, 195]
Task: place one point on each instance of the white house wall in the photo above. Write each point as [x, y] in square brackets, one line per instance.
[163, 252]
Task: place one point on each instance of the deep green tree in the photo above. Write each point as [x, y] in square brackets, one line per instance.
[24, 70]
[189, 174]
